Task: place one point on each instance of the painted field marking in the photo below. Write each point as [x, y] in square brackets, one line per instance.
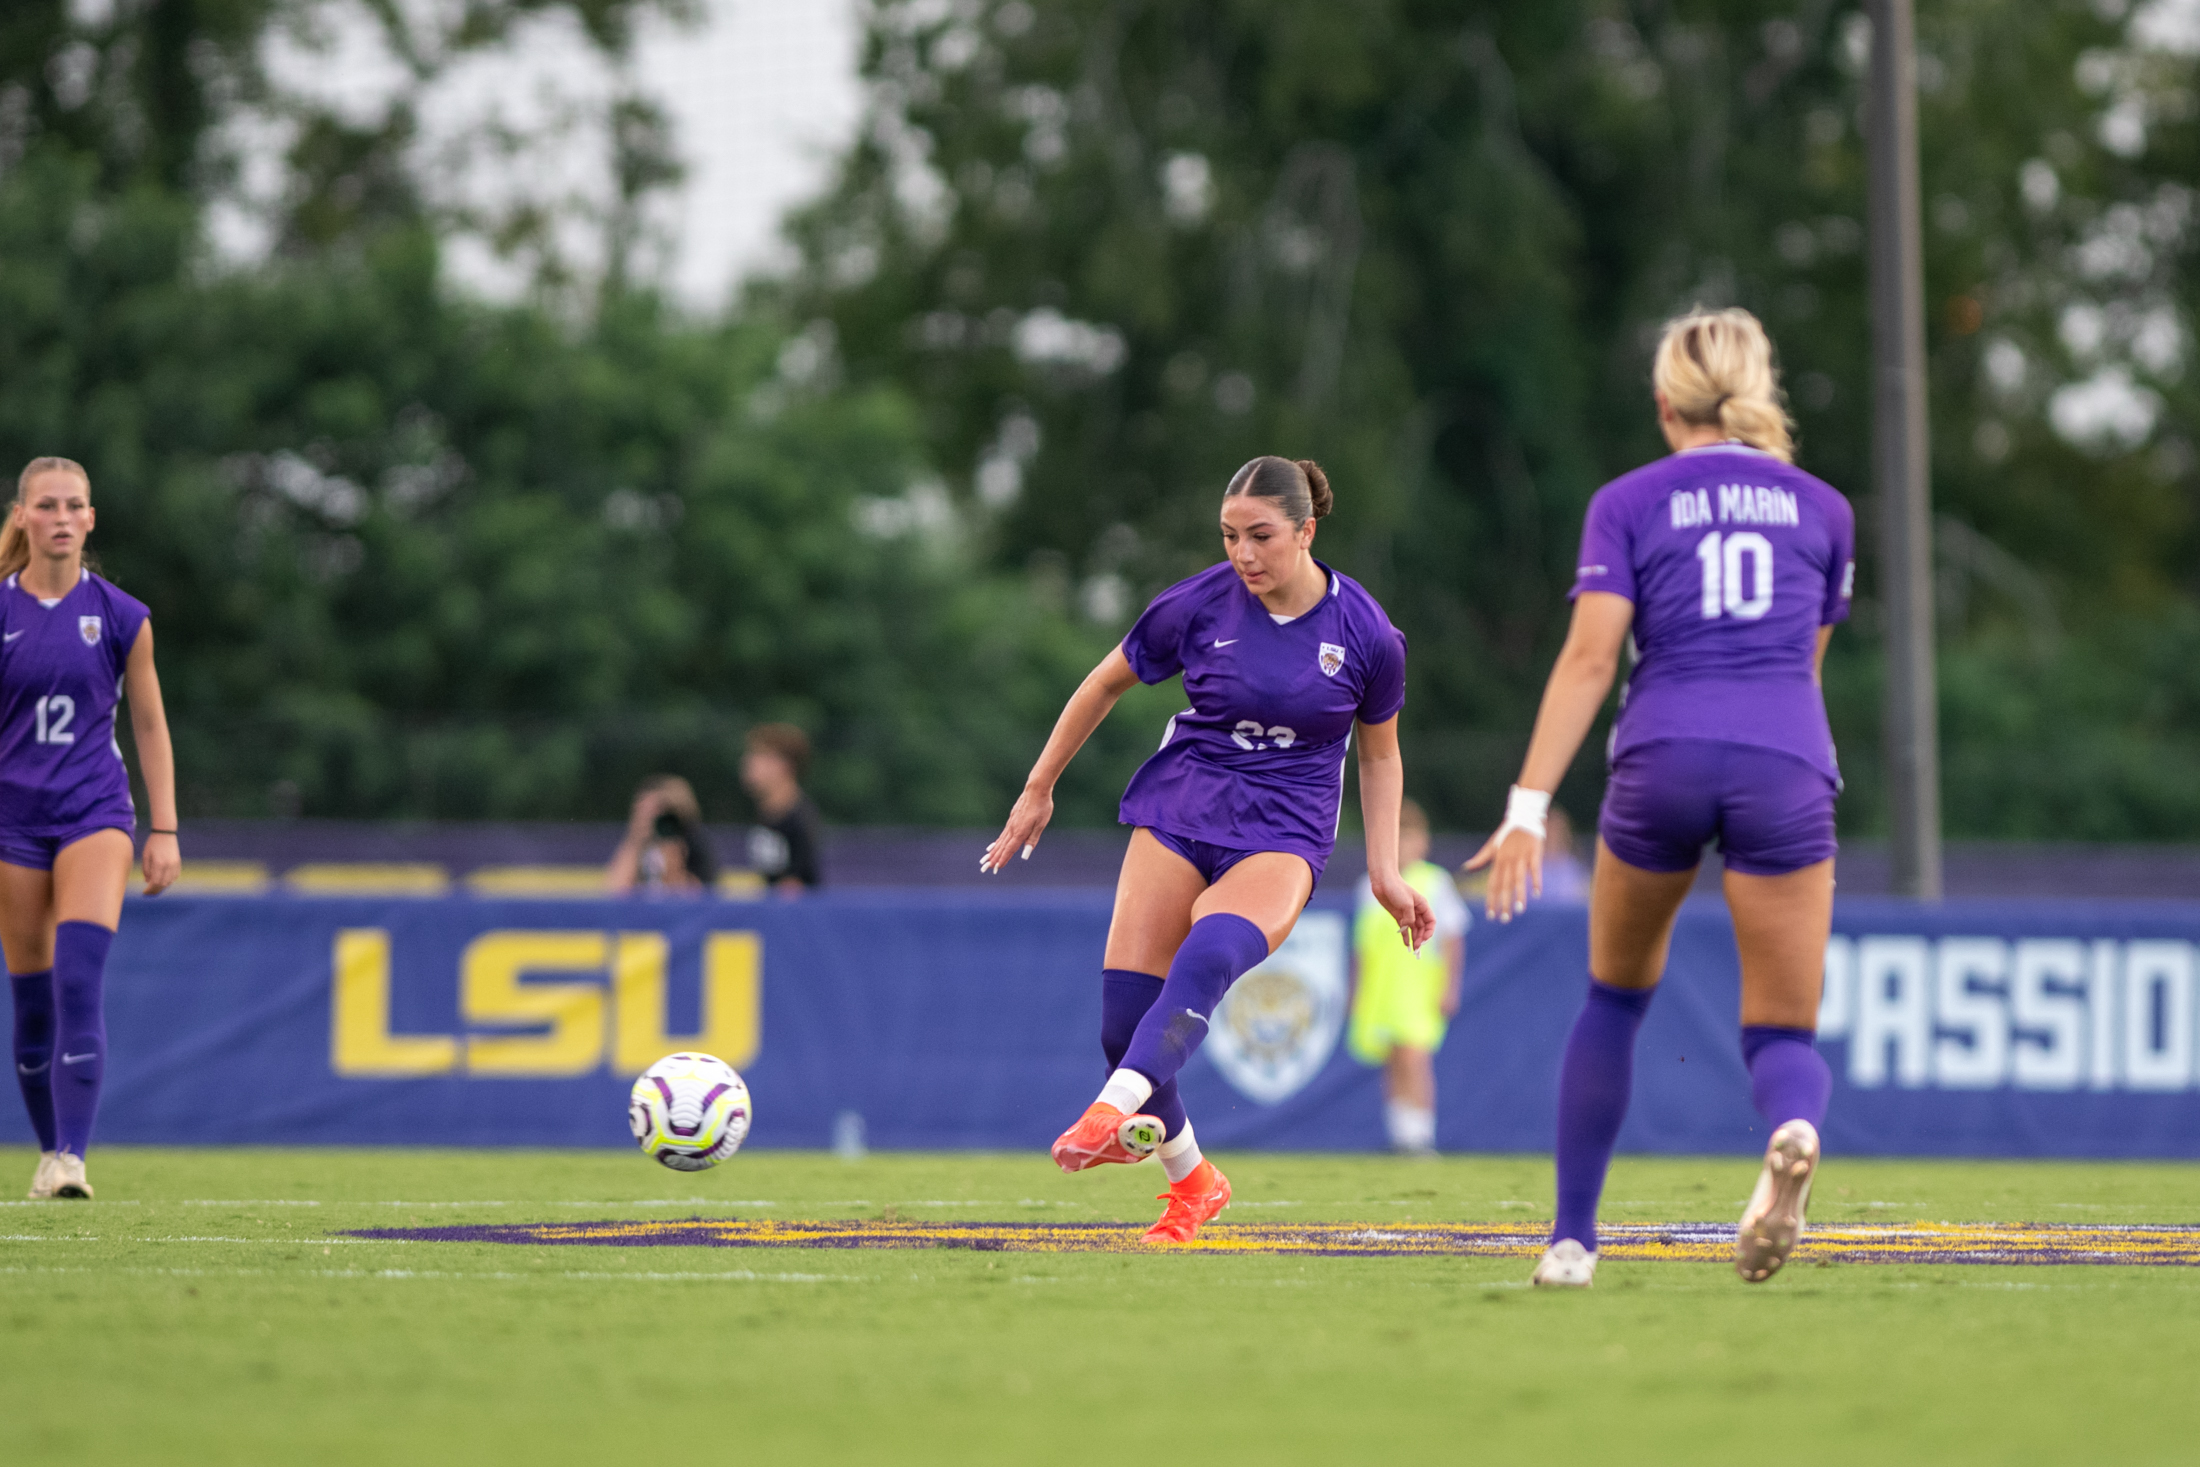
[1986, 1243]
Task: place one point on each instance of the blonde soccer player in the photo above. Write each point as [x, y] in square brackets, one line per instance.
[72, 646]
[1727, 567]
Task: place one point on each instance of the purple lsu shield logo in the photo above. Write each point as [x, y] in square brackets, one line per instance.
[1332, 659]
[87, 627]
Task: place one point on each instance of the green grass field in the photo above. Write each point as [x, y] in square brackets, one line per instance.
[210, 1308]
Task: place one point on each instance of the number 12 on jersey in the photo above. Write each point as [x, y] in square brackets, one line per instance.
[1730, 562]
[55, 713]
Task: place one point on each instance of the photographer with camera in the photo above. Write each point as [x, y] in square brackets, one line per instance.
[665, 847]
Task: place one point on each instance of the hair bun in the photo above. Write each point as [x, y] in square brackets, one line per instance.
[1317, 487]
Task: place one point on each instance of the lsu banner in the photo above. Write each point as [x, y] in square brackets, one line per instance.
[942, 1020]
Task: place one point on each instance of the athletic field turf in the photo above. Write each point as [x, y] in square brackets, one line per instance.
[253, 1306]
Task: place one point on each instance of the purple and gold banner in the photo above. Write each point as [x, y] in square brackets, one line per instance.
[926, 1019]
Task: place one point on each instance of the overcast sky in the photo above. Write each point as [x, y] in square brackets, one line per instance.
[762, 94]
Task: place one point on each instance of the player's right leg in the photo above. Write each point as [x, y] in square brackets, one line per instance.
[1781, 923]
[1153, 913]
[26, 893]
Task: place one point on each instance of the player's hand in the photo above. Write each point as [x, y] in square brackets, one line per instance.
[1516, 872]
[1020, 837]
[1408, 908]
[163, 863]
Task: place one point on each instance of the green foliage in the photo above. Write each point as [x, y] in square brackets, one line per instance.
[1122, 248]
[410, 555]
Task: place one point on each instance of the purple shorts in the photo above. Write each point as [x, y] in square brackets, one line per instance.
[1212, 860]
[34, 851]
[1771, 813]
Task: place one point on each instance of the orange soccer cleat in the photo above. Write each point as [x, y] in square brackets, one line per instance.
[1193, 1201]
[1104, 1134]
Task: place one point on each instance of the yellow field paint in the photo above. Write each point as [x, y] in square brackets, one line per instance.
[1989, 1243]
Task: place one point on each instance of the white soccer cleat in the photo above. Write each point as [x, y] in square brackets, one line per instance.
[43, 1179]
[1772, 1224]
[68, 1177]
[1565, 1265]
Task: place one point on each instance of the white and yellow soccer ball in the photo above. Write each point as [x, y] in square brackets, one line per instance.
[689, 1111]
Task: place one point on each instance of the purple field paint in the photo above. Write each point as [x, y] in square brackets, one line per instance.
[1985, 1243]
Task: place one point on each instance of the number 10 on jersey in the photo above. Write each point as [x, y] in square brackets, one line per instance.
[1729, 563]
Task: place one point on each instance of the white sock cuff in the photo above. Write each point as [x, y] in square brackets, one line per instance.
[1127, 1090]
[1178, 1144]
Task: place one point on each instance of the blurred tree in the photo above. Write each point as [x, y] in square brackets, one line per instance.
[1113, 249]
[415, 555]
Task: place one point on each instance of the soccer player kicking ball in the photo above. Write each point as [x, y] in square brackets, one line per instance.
[70, 646]
[1284, 661]
[1729, 566]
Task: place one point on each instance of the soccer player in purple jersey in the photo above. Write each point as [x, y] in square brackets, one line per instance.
[1729, 567]
[70, 646]
[1284, 661]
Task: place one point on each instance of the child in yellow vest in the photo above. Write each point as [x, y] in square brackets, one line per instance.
[1401, 1000]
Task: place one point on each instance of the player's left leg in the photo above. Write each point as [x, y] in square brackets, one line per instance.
[88, 879]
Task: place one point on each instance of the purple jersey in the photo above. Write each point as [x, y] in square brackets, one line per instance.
[1256, 763]
[60, 685]
[1734, 560]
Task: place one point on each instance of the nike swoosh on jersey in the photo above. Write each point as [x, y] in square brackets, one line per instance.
[11, 636]
[77, 1059]
[1218, 641]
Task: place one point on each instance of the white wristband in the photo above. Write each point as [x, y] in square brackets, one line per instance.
[1527, 810]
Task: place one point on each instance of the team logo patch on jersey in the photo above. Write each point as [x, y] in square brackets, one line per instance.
[1280, 1023]
[87, 627]
[1332, 659]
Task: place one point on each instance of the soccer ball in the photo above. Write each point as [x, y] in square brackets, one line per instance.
[690, 1111]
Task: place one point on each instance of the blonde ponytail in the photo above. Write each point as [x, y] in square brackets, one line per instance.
[1715, 369]
[15, 541]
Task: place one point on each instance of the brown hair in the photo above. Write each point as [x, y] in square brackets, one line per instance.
[1715, 369]
[785, 740]
[15, 541]
[1298, 485]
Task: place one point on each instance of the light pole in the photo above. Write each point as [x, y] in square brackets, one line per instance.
[1901, 466]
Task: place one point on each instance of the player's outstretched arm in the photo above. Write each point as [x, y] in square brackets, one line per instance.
[1090, 704]
[156, 763]
[1580, 680]
[1382, 792]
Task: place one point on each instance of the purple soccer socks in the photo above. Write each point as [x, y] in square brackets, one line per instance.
[80, 1046]
[1215, 952]
[1125, 997]
[34, 1049]
[1788, 1078]
[1595, 1080]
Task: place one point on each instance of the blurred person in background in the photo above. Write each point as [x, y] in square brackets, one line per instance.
[1402, 1000]
[1565, 876]
[783, 845]
[71, 647]
[665, 847]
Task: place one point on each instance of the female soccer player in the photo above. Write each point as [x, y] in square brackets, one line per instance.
[1729, 567]
[70, 646]
[1284, 660]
